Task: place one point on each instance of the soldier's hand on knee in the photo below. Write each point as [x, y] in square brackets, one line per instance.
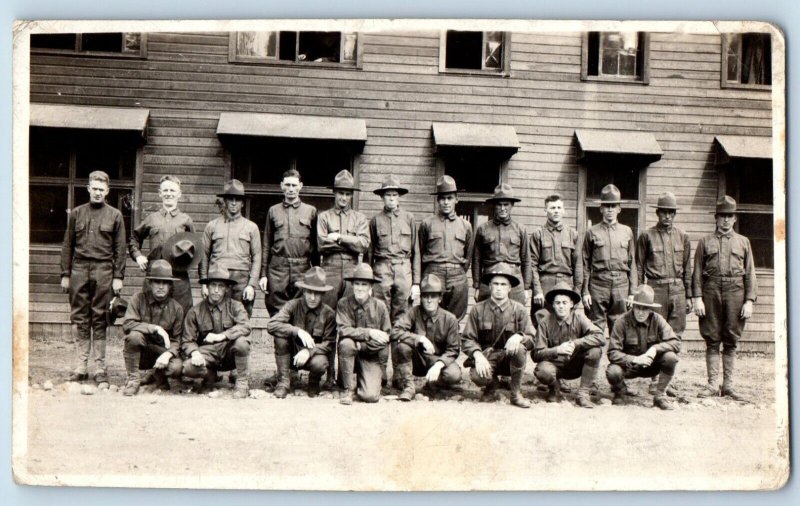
[434, 372]
[116, 285]
[214, 338]
[306, 338]
[415, 294]
[378, 335]
[587, 301]
[248, 293]
[262, 283]
[427, 345]
[204, 291]
[513, 343]
[65, 284]
[629, 302]
[699, 307]
[301, 358]
[566, 349]
[141, 261]
[747, 309]
[538, 299]
[197, 359]
[482, 365]
[163, 360]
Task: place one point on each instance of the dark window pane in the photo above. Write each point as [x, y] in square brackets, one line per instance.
[474, 212]
[48, 213]
[621, 53]
[260, 166]
[493, 52]
[756, 58]
[593, 54]
[464, 50]
[133, 42]
[319, 46]
[53, 41]
[627, 216]
[48, 154]
[319, 162]
[624, 178]
[112, 42]
[475, 171]
[107, 152]
[287, 46]
[750, 183]
[758, 228]
[120, 198]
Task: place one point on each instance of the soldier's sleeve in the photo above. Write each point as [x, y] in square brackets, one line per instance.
[670, 341]
[255, 255]
[453, 342]
[242, 322]
[206, 256]
[750, 283]
[323, 244]
[401, 330]
[346, 322]
[373, 233]
[591, 335]
[312, 240]
[540, 350]
[687, 266]
[328, 334]
[280, 325]
[132, 321]
[120, 247]
[138, 235]
[586, 253]
[641, 256]
[615, 340]
[632, 273]
[266, 244]
[697, 273]
[176, 333]
[525, 323]
[189, 225]
[469, 337]
[68, 248]
[416, 259]
[524, 258]
[476, 260]
[384, 320]
[190, 332]
[534, 261]
[470, 244]
[358, 243]
[578, 270]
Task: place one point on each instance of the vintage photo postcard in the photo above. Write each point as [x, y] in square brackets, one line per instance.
[400, 255]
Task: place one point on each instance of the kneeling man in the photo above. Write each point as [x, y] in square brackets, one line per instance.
[568, 345]
[428, 343]
[497, 336]
[642, 345]
[305, 334]
[215, 335]
[153, 328]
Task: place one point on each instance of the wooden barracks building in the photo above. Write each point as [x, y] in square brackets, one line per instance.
[545, 112]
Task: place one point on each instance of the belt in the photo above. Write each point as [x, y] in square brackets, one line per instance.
[664, 281]
[492, 264]
[348, 256]
[614, 274]
[90, 261]
[725, 278]
[552, 274]
[393, 261]
[293, 260]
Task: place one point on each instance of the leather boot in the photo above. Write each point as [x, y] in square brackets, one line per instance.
[100, 356]
[588, 378]
[284, 375]
[621, 394]
[404, 373]
[83, 343]
[160, 379]
[728, 367]
[712, 366]
[242, 388]
[313, 384]
[660, 399]
[131, 384]
[517, 399]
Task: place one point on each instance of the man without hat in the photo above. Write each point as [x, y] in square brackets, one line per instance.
[608, 263]
[502, 240]
[363, 323]
[642, 345]
[724, 288]
[153, 328]
[568, 346]
[216, 334]
[305, 334]
[497, 336]
[428, 343]
[92, 269]
[445, 245]
[232, 243]
[160, 226]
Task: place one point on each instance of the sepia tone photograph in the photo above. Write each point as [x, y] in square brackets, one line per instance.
[400, 255]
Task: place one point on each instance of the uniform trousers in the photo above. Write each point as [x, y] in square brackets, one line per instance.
[90, 293]
[663, 363]
[360, 368]
[150, 347]
[455, 286]
[609, 291]
[394, 285]
[421, 362]
[501, 363]
[671, 294]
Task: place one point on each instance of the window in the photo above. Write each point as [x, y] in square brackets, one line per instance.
[116, 44]
[746, 60]
[750, 183]
[476, 172]
[474, 52]
[295, 47]
[60, 163]
[615, 56]
[630, 179]
[260, 166]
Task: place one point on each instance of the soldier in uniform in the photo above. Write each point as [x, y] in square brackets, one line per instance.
[305, 333]
[445, 245]
[662, 262]
[290, 244]
[497, 336]
[363, 323]
[232, 242]
[608, 263]
[555, 255]
[502, 240]
[642, 345]
[92, 269]
[428, 343]
[153, 328]
[724, 288]
[568, 346]
[160, 226]
[216, 334]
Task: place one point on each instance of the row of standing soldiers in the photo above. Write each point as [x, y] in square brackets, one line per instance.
[605, 268]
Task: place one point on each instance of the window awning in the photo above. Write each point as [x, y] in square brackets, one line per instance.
[90, 118]
[475, 135]
[292, 126]
[617, 142]
[730, 147]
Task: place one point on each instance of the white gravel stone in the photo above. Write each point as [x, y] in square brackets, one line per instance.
[256, 393]
[113, 388]
[47, 385]
[103, 386]
[214, 394]
[88, 390]
[74, 388]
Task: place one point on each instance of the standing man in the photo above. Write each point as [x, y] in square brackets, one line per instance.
[642, 345]
[232, 242]
[160, 226]
[290, 244]
[216, 334]
[428, 343]
[555, 255]
[497, 336]
[568, 346]
[724, 287]
[363, 322]
[608, 265]
[92, 269]
[502, 240]
[445, 245]
[153, 327]
[305, 334]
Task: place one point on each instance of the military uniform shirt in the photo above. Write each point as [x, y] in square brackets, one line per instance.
[229, 317]
[630, 338]
[94, 233]
[158, 226]
[664, 254]
[352, 227]
[446, 239]
[355, 320]
[554, 250]
[145, 312]
[489, 326]
[576, 327]
[296, 315]
[725, 255]
[233, 244]
[441, 329]
[497, 241]
[290, 232]
[394, 236]
[609, 248]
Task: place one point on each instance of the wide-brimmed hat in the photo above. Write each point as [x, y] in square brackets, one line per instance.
[501, 269]
[610, 194]
[644, 297]
[726, 205]
[233, 188]
[314, 280]
[562, 288]
[218, 274]
[183, 250]
[160, 270]
[445, 184]
[362, 272]
[391, 183]
[503, 191]
[667, 201]
[116, 309]
[430, 284]
[344, 181]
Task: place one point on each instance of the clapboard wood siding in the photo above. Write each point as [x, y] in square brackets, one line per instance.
[187, 81]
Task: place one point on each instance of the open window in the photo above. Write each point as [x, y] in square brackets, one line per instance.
[321, 48]
[130, 44]
[746, 60]
[481, 52]
[616, 56]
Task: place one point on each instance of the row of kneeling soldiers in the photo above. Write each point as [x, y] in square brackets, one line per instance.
[371, 269]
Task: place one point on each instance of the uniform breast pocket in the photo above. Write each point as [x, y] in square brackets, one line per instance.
[461, 240]
[737, 259]
[106, 230]
[80, 230]
[302, 230]
[244, 241]
[599, 245]
[631, 341]
[485, 334]
[513, 246]
[677, 260]
[621, 249]
[567, 248]
[405, 237]
[435, 242]
[657, 254]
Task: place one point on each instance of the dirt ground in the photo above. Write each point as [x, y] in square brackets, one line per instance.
[83, 436]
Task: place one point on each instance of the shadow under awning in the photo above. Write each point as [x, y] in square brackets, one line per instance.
[89, 118]
[730, 147]
[606, 143]
[475, 135]
[292, 126]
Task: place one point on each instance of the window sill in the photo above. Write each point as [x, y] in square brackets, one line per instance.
[286, 63]
[617, 80]
[752, 87]
[44, 248]
[90, 54]
[475, 72]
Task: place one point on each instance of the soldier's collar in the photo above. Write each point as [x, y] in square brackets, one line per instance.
[554, 226]
[228, 217]
[661, 227]
[498, 221]
[610, 225]
[428, 315]
[502, 306]
[151, 299]
[294, 204]
[395, 211]
[720, 233]
[344, 211]
[452, 216]
[173, 212]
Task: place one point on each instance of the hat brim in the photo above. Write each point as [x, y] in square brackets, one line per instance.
[503, 199]
[166, 250]
[325, 288]
[368, 280]
[439, 292]
[724, 212]
[381, 191]
[241, 196]
[654, 305]
[606, 202]
[666, 208]
[487, 278]
[445, 192]
[160, 278]
[334, 188]
[206, 281]
[573, 295]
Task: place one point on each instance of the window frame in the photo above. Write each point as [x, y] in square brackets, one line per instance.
[644, 79]
[724, 82]
[140, 55]
[584, 203]
[234, 57]
[503, 71]
[472, 197]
